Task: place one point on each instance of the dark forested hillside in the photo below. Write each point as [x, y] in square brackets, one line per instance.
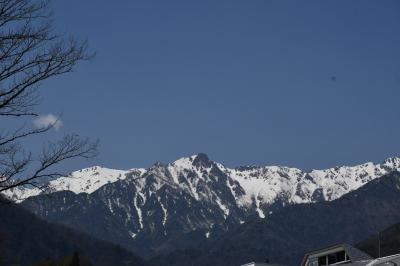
[72, 260]
[25, 239]
[287, 234]
[386, 243]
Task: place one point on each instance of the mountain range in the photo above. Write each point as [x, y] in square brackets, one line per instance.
[192, 202]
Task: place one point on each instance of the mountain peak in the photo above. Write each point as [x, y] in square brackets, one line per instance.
[392, 161]
[158, 164]
[202, 159]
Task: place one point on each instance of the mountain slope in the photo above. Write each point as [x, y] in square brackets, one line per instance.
[24, 239]
[149, 214]
[294, 230]
[85, 180]
[188, 202]
[388, 240]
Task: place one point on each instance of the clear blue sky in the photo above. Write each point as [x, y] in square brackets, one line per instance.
[247, 82]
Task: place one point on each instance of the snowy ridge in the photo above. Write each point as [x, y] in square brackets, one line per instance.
[257, 188]
[254, 189]
[86, 180]
[266, 184]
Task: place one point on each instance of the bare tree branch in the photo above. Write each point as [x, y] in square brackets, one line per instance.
[30, 54]
[71, 146]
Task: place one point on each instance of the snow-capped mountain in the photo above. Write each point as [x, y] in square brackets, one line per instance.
[187, 201]
[286, 235]
[264, 186]
[85, 180]
[250, 185]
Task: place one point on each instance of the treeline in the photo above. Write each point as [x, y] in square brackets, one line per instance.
[26, 239]
[73, 260]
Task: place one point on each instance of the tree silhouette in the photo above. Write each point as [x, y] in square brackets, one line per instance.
[74, 260]
[30, 54]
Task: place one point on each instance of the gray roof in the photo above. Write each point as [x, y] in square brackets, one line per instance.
[384, 261]
[359, 263]
[393, 259]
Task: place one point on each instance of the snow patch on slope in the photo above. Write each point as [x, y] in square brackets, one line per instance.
[86, 180]
[271, 182]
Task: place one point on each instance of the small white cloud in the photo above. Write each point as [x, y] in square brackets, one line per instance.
[48, 120]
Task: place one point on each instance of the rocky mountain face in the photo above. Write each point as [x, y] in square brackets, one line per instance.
[287, 234]
[185, 203]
